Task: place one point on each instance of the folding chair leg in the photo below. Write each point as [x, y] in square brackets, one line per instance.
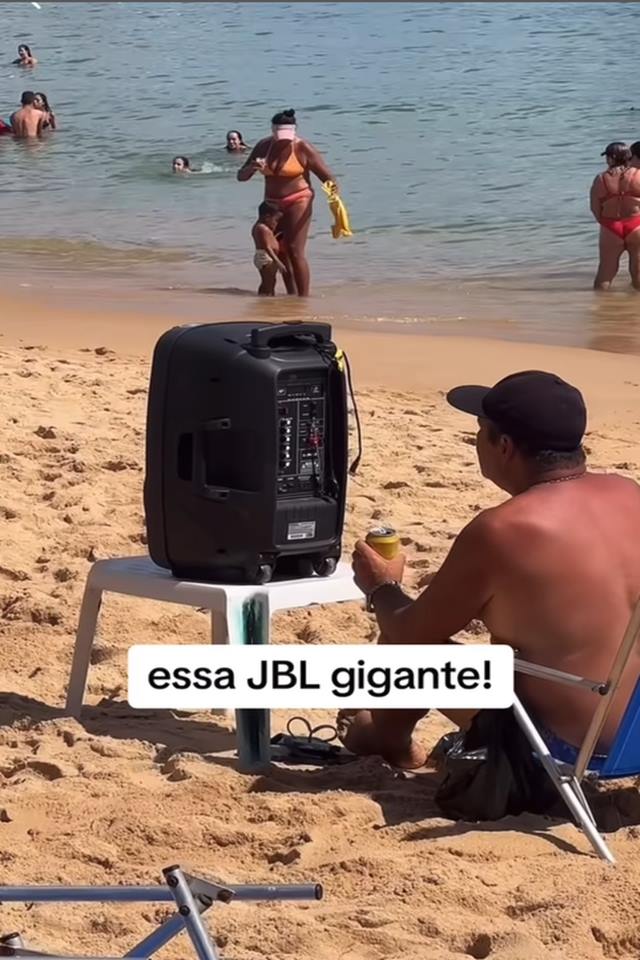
[575, 800]
[585, 819]
[190, 914]
[85, 635]
[579, 792]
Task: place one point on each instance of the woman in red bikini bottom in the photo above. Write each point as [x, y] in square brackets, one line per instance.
[287, 163]
[615, 203]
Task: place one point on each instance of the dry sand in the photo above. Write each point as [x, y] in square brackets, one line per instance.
[118, 796]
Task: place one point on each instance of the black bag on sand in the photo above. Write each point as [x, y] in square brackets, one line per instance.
[491, 771]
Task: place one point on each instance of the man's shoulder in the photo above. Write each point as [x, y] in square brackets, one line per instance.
[521, 513]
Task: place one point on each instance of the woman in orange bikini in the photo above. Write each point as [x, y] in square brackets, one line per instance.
[615, 203]
[287, 164]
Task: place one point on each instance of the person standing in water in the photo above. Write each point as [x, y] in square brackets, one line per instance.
[25, 57]
[41, 102]
[615, 204]
[268, 256]
[28, 121]
[287, 162]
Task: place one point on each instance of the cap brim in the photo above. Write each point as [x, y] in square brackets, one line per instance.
[468, 399]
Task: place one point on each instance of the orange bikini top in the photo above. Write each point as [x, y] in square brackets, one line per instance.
[290, 169]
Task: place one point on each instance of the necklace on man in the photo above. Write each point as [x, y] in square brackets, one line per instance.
[572, 476]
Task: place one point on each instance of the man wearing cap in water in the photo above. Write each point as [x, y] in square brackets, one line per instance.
[554, 571]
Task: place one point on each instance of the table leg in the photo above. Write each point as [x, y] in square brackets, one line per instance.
[248, 623]
[85, 635]
[219, 634]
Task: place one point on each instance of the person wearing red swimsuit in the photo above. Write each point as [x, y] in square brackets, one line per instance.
[287, 162]
[615, 204]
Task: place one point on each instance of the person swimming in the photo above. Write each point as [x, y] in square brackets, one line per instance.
[25, 57]
[41, 102]
[287, 162]
[615, 204]
[235, 143]
[181, 165]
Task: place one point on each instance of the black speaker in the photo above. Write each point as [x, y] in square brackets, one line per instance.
[246, 463]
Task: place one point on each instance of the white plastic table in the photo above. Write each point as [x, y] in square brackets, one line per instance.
[239, 614]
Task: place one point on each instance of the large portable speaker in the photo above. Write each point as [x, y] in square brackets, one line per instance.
[247, 446]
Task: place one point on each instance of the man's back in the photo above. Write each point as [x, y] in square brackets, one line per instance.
[566, 577]
[27, 122]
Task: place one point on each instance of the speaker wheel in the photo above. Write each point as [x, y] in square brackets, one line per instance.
[263, 573]
[326, 566]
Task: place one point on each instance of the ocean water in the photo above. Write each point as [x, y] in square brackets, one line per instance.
[465, 137]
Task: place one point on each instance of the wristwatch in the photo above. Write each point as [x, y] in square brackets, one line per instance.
[370, 596]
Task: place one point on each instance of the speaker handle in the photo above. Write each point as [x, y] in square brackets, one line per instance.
[202, 488]
[263, 337]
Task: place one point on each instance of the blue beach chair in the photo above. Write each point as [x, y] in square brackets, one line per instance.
[623, 759]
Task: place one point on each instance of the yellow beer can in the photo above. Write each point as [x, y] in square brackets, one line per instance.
[385, 541]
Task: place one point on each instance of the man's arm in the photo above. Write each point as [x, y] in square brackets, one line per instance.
[458, 593]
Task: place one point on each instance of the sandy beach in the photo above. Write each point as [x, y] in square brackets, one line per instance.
[121, 794]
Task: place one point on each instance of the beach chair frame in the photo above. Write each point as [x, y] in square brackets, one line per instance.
[568, 778]
[192, 897]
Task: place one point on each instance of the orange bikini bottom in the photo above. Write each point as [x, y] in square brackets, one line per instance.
[288, 201]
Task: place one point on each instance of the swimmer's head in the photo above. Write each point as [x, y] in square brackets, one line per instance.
[635, 150]
[27, 98]
[618, 154]
[40, 102]
[181, 165]
[235, 141]
[283, 125]
[24, 51]
[269, 214]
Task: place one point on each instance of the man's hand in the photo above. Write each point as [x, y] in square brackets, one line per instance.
[370, 569]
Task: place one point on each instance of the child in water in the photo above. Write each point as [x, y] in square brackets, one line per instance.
[270, 256]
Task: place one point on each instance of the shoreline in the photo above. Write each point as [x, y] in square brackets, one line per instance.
[391, 356]
[559, 311]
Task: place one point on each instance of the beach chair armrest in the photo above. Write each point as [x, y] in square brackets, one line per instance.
[559, 676]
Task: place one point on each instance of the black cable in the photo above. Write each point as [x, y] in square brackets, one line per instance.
[356, 463]
[328, 354]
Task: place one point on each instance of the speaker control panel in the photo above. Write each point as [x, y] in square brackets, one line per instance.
[301, 434]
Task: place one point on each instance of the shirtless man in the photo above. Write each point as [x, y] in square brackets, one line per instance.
[28, 121]
[615, 204]
[554, 571]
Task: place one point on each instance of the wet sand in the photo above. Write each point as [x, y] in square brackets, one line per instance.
[555, 309]
[121, 794]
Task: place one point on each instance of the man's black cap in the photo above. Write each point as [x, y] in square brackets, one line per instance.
[537, 409]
